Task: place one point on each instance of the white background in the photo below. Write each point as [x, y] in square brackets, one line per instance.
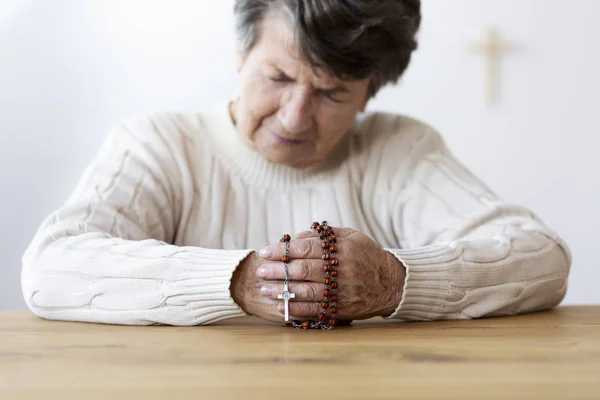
[70, 69]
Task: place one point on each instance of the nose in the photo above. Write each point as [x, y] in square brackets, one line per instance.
[296, 113]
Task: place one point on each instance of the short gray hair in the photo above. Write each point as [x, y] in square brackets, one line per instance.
[352, 39]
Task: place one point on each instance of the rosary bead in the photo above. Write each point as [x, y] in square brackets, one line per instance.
[327, 235]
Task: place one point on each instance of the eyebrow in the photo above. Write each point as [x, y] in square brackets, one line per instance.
[333, 90]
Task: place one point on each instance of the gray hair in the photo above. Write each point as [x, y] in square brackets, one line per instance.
[352, 39]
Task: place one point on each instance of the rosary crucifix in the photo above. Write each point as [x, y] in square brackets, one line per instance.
[286, 295]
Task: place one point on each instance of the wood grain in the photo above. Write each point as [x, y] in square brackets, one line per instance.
[549, 355]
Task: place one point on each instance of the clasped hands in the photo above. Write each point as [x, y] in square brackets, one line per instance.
[370, 279]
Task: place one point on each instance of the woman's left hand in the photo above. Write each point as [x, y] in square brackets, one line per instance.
[370, 279]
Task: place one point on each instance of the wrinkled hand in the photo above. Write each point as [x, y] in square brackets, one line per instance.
[370, 279]
[245, 290]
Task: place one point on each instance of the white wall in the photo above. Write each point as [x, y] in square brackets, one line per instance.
[69, 69]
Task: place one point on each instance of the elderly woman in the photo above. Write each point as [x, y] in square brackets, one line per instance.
[179, 219]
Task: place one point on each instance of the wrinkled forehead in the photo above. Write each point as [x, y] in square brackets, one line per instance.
[278, 44]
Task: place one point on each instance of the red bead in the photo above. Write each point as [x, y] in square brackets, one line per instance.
[285, 259]
[315, 225]
[325, 305]
[334, 285]
[327, 281]
[333, 310]
[326, 292]
[334, 298]
[324, 245]
[331, 239]
[326, 268]
[323, 237]
[324, 223]
[326, 256]
[287, 237]
[334, 261]
[334, 273]
[332, 322]
[332, 249]
[322, 317]
[306, 325]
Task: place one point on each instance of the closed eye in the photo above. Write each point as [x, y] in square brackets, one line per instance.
[281, 78]
[331, 95]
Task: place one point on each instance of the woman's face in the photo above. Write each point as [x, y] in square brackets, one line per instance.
[288, 112]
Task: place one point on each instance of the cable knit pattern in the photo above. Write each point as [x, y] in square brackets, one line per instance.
[173, 203]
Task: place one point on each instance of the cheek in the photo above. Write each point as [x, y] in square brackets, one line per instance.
[260, 102]
[333, 123]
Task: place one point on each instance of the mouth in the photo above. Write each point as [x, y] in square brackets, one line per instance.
[285, 141]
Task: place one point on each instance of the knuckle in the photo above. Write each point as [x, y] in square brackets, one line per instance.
[302, 248]
[305, 270]
[311, 292]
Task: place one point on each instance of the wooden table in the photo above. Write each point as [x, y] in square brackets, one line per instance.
[549, 355]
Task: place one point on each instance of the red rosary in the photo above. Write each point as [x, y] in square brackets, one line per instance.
[326, 319]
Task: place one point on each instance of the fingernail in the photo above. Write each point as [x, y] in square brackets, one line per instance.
[261, 272]
[265, 291]
[266, 252]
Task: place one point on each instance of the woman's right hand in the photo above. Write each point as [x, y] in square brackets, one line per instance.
[245, 290]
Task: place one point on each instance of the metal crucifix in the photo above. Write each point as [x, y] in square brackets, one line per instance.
[286, 295]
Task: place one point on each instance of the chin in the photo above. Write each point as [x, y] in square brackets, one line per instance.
[284, 158]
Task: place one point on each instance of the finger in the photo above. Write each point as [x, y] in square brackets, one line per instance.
[306, 234]
[301, 309]
[301, 291]
[298, 270]
[302, 248]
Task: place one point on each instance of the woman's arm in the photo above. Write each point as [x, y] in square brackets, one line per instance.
[468, 254]
[104, 256]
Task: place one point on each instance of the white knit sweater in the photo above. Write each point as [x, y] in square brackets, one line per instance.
[172, 203]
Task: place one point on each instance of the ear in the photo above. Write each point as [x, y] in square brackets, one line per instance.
[367, 98]
[240, 59]
[364, 106]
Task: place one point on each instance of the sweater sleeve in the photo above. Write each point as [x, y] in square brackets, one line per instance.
[105, 255]
[467, 253]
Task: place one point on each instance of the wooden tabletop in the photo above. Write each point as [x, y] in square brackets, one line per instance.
[549, 355]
